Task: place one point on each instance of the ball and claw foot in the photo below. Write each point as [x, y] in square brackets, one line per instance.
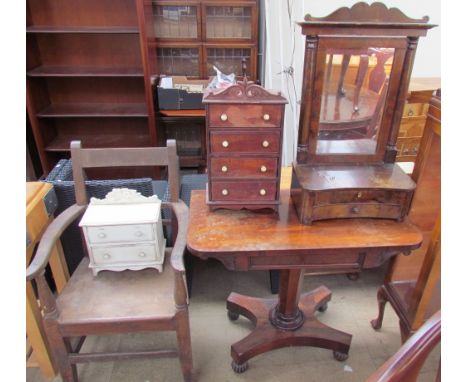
[376, 324]
[340, 356]
[323, 308]
[232, 316]
[239, 368]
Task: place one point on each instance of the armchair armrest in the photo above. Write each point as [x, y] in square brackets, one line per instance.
[51, 235]
[181, 214]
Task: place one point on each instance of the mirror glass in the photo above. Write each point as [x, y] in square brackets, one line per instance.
[354, 89]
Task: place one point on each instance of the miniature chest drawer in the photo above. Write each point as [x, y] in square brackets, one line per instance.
[121, 233]
[225, 167]
[244, 142]
[243, 190]
[125, 254]
[227, 115]
[361, 196]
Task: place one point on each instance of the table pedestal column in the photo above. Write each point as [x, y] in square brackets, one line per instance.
[288, 320]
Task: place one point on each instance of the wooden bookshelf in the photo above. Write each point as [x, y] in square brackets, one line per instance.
[86, 77]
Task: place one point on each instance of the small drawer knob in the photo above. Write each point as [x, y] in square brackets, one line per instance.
[224, 117]
[359, 194]
[266, 117]
[225, 144]
[410, 112]
[142, 254]
[101, 235]
[265, 143]
[225, 192]
[354, 210]
[138, 233]
[262, 192]
[263, 169]
[224, 169]
[106, 256]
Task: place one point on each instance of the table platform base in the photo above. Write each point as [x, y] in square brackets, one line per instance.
[272, 331]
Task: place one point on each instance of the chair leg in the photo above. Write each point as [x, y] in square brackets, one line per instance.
[60, 348]
[184, 344]
[382, 300]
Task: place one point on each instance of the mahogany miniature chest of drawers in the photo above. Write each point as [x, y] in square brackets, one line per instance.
[244, 127]
[124, 231]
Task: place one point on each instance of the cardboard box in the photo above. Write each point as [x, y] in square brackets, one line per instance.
[180, 93]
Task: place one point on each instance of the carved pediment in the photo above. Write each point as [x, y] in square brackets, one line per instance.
[243, 92]
[125, 196]
[367, 13]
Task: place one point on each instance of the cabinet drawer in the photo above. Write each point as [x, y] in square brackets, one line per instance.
[244, 115]
[120, 233]
[414, 109]
[254, 143]
[243, 191]
[356, 210]
[225, 167]
[412, 127]
[124, 254]
[364, 196]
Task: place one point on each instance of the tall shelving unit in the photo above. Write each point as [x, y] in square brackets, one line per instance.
[87, 78]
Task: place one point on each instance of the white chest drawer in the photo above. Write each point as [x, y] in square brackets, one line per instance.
[124, 254]
[124, 231]
[120, 233]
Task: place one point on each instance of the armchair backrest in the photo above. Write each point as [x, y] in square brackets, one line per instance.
[120, 157]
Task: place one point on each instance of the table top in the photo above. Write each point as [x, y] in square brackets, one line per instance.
[225, 232]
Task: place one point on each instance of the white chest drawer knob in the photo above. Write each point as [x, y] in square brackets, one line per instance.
[224, 169]
[138, 234]
[101, 235]
[106, 256]
[265, 143]
[263, 169]
[262, 192]
[225, 144]
[142, 254]
[224, 117]
[266, 117]
[225, 192]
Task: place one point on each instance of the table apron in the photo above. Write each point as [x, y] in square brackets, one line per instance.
[327, 262]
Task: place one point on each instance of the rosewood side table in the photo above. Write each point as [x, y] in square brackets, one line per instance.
[245, 240]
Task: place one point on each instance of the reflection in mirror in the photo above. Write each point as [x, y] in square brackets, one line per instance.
[353, 97]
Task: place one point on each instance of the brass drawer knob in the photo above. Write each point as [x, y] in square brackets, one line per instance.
[359, 194]
[224, 117]
[142, 254]
[225, 192]
[354, 210]
[262, 192]
[224, 169]
[106, 256]
[102, 235]
[265, 143]
[225, 143]
[266, 117]
[410, 112]
[263, 169]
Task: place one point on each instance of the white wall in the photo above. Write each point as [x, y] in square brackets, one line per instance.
[285, 48]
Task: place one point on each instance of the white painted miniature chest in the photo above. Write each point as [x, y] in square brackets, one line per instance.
[124, 231]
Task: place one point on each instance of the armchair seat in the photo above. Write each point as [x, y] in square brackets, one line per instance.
[117, 296]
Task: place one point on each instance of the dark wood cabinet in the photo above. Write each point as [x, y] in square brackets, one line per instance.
[244, 129]
[86, 77]
[188, 38]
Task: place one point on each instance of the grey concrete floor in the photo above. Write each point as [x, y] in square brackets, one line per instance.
[352, 307]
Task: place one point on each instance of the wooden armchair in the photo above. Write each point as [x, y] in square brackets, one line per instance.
[116, 302]
[406, 363]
